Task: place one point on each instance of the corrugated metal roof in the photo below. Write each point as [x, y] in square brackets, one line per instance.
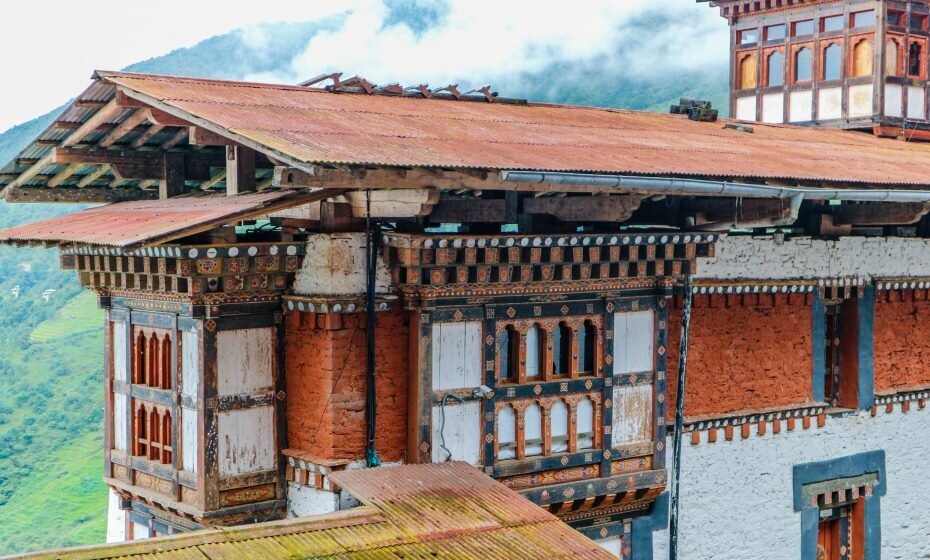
[448, 510]
[132, 224]
[318, 127]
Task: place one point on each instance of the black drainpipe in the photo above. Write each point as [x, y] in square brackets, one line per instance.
[374, 236]
[679, 420]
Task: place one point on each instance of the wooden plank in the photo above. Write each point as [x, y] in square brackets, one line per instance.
[64, 174]
[462, 432]
[244, 361]
[634, 341]
[93, 176]
[173, 182]
[203, 137]
[88, 195]
[633, 408]
[128, 125]
[393, 203]
[143, 138]
[471, 210]
[456, 355]
[179, 137]
[879, 213]
[611, 208]
[240, 170]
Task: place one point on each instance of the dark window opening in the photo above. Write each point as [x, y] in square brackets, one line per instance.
[917, 22]
[561, 350]
[841, 362]
[747, 36]
[831, 23]
[863, 19]
[507, 354]
[913, 60]
[802, 65]
[801, 28]
[776, 69]
[775, 32]
[895, 18]
[586, 346]
[831, 62]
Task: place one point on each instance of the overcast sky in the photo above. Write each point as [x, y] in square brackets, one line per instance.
[48, 48]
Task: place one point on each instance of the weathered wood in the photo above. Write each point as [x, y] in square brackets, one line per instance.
[87, 195]
[173, 182]
[128, 125]
[93, 176]
[97, 119]
[747, 210]
[336, 217]
[240, 170]
[64, 174]
[360, 179]
[179, 137]
[203, 137]
[471, 210]
[393, 203]
[878, 213]
[165, 119]
[132, 164]
[143, 138]
[124, 100]
[605, 208]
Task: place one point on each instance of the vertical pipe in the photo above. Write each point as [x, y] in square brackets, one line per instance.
[679, 420]
[371, 454]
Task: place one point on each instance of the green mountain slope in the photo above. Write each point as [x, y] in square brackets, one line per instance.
[51, 397]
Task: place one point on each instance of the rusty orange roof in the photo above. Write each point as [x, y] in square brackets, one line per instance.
[132, 224]
[448, 510]
[303, 127]
[317, 127]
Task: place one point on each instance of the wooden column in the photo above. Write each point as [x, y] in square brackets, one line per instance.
[240, 170]
[173, 182]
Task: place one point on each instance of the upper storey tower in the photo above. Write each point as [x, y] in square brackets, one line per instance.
[856, 64]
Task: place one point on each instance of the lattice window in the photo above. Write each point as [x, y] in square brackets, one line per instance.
[533, 430]
[585, 423]
[506, 433]
[559, 425]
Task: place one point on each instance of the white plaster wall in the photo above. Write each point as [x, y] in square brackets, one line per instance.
[747, 257]
[801, 105]
[613, 545]
[830, 103]
[916, 101]
[746, 108]
[336, 264]
[736, 496]
[116, 520]
[140, 531]
[894, 95]
[860, 100]
[307, 500]
[462, 431]
[773, 108]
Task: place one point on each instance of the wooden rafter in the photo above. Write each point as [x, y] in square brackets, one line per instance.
[180, 136]
[90, 195]
[93, 176]
[214, 181]
[128, 125]
[147, 135]
[64, 174]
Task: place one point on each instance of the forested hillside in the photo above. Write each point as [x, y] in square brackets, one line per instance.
[51, 352]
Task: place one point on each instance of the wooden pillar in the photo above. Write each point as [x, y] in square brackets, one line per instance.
[240, 170]
[173, 183]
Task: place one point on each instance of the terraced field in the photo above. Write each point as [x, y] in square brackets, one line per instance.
[79, 315]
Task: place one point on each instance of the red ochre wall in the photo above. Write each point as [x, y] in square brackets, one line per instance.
[325, 360]
[902, 341]
[746, 353]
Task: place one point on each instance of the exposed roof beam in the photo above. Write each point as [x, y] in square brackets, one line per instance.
[93, 176]
[131, 164]
[91, 124]
[214, 181]
[145, 136]
[128, 125]
[64, 174]
[89, 195]
[175, 140]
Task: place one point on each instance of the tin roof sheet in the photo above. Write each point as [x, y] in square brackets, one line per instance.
[318, 127]
[448, 510]
[132, 224]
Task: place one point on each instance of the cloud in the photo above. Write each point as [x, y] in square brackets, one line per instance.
[492, 41]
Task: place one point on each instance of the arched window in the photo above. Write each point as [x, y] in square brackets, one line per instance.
[561, 350]
[862, 58]
[831, 62]
[802, 65]
[533, 352]
[558, 420]
[776, 70]
[913, 60]
[166, 370]
[748, 72]
[166, 446]
[140, 441]
[506, 433]
[533, 430]
[154, 435]
[891, 58]
[587, 342]
[585, 425]
[138, 359]
[152, 359]
[507, 354]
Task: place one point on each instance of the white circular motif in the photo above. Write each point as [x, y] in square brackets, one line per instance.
[233, 251]
[211, 253]
[291, 250]
[253, 251]
[273, 250]
[192, 253]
